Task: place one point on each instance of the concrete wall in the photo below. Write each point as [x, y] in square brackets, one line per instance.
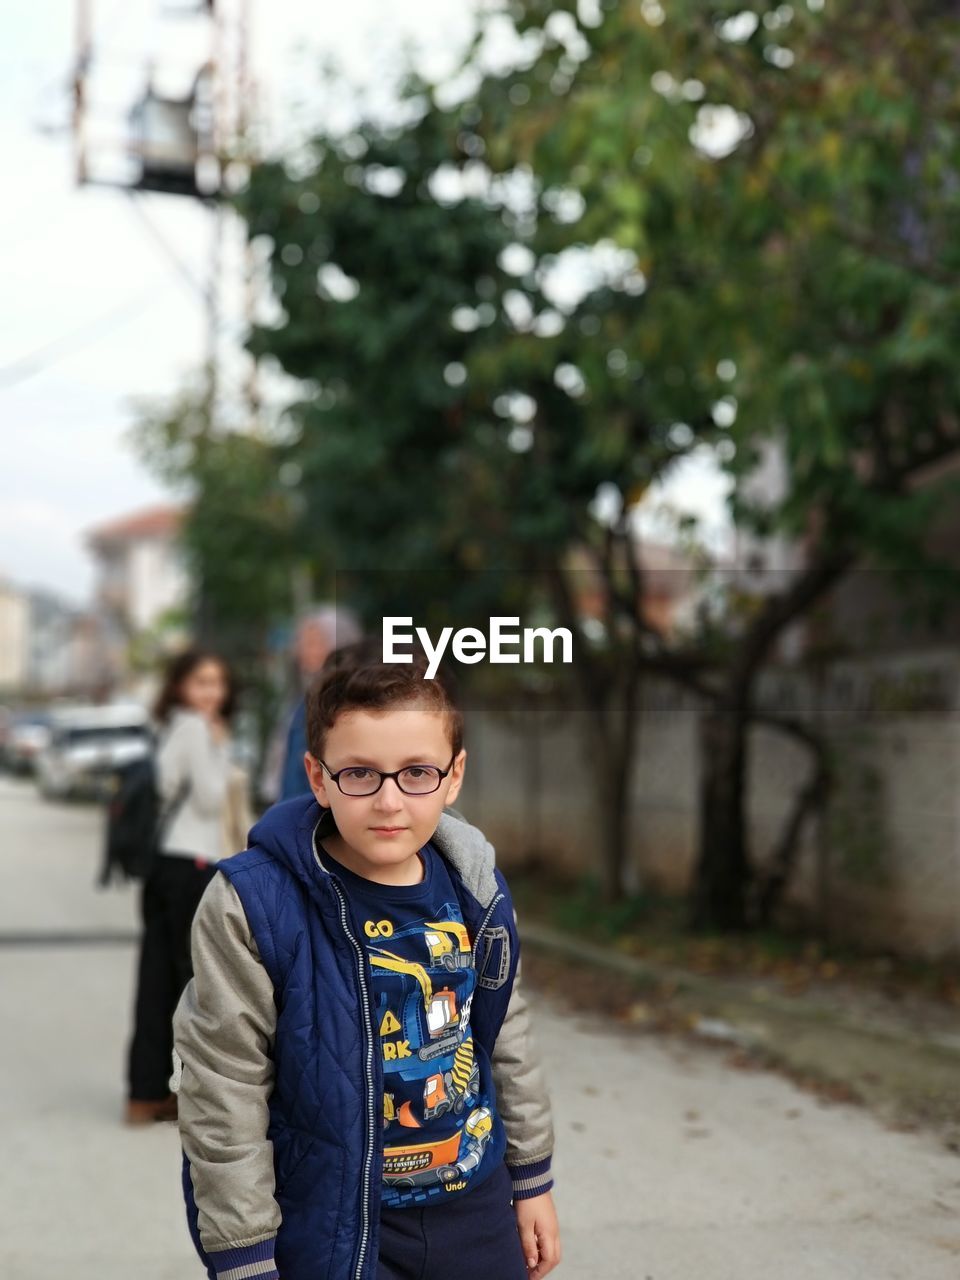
[882, 867]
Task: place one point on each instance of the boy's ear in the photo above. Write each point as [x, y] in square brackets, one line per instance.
[316, 778]
[456, 777]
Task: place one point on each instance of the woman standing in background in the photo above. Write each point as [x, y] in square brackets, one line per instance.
[199, 791]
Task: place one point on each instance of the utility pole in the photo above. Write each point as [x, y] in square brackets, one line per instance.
[189, 146]
[247, 103]
[193, 144]
[82, 34]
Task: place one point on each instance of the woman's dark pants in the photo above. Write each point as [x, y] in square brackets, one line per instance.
[170, 895]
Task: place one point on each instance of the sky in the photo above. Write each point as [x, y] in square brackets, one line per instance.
[96, 315]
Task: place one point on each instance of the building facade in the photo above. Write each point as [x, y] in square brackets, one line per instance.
[141, 575]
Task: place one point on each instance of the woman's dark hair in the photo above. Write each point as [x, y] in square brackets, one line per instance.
[179, 669]
[355, 678]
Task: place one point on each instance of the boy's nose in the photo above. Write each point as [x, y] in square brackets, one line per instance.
[389, 798]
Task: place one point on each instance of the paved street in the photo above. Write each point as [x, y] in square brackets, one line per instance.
[670, 1166]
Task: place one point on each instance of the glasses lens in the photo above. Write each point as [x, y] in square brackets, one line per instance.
[358, 782]
[419, 779]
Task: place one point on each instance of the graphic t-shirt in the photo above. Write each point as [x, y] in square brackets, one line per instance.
[438, 1109]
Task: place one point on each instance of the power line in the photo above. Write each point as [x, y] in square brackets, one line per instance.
[40, 359]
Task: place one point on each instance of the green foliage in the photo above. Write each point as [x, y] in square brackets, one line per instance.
[244, 529]
[146, 650]
[819, 255]
[767, 198]
[393, 443]
[811, 250]
[457, 424]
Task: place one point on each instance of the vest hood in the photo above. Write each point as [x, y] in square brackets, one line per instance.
[286, 832]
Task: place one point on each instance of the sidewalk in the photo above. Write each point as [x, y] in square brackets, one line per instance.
[668, 1165]
[80, 1195]
[901, 1058]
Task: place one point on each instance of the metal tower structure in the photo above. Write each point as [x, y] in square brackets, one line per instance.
[172, 115]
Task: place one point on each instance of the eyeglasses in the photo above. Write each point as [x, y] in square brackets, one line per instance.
[414, 780]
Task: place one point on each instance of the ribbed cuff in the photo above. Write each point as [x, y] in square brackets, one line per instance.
[530, 1179]
[252, 1262]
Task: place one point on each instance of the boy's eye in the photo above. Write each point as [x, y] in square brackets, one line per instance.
[358, 774]
[416, 771]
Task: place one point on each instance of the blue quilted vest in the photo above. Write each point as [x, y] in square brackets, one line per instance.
[326, 1107]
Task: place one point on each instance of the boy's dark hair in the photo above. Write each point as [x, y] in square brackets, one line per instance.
[355, 678]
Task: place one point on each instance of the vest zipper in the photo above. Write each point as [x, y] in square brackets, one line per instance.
[371, 1124]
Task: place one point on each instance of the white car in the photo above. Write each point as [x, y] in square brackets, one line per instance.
[87, 745]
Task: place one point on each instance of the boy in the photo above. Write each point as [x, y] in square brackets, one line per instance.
[359, 1092]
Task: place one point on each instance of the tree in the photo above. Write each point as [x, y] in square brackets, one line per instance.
[242, 537]
[732, 181]
[757, 167]
[451, 456]
[244, 527]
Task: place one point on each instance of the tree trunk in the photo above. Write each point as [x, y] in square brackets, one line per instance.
[610, 707]
[611, 774]
[723, 867]
[722, 885]
[809, 801]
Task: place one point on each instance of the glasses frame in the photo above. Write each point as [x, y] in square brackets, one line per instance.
[395, 775]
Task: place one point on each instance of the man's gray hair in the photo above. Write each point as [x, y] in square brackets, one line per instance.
[339, 624]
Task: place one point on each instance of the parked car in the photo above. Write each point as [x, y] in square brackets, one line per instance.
[87, 745]
[25, 734]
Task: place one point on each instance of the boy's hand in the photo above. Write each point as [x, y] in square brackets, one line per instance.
[539, 1233]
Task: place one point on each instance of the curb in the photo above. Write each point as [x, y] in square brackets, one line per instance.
[759, 997]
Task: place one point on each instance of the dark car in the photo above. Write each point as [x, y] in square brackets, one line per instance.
[22, 737]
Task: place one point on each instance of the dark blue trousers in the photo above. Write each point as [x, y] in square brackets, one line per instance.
[469, 1237]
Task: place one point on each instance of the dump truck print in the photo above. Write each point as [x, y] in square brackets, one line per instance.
[449, 944]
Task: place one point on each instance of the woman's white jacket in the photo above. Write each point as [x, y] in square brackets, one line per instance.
[190, 763]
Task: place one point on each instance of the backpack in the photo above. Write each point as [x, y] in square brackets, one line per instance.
[136, 821]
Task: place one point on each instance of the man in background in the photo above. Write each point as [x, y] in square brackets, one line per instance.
[318, 634]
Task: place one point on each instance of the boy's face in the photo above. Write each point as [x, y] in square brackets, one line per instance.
[380, 834]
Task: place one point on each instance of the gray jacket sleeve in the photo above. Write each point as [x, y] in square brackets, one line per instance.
[224, 1029]
[522, 1097]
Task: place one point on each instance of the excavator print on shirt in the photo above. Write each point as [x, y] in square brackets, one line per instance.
[424, 982]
